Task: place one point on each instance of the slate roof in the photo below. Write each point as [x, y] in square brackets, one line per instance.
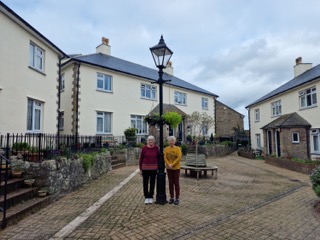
[123, 66]
[304, 78]
[287, 121]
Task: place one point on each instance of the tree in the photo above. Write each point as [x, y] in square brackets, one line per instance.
[199, 124]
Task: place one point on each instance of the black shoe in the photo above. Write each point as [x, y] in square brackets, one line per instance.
[176, 202]
[171, 201]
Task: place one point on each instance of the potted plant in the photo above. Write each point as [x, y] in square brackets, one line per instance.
[42, 192]
[131, 137]
[17, 168]
[29, 182]
[20, 147]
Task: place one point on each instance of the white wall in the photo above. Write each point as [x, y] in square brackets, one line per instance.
[123, 102]
[18, 81]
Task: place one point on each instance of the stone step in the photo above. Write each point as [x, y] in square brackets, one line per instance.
[12, 185]
[21, 210]
[18, 196]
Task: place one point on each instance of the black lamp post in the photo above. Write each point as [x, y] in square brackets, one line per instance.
[161, 55]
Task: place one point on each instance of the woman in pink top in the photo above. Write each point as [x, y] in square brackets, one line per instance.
[148, 165]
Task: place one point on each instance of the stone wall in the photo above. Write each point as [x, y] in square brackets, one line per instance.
[289, 149]
[226, 120]
[217, 150]
[63, 175]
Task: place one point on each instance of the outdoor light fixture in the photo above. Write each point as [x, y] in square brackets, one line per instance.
[161, 55]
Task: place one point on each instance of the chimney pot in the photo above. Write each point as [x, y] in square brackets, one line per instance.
[298, 60]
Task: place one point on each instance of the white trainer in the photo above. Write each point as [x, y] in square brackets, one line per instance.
[146, 201]
[150, 200]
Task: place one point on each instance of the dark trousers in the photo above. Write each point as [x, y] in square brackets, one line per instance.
[149, 180]
[174, 182]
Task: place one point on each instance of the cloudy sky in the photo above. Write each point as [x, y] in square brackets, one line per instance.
[237, 49]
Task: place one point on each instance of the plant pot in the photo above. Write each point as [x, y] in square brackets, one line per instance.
[42, 193]
[29, 182]
[16, 173]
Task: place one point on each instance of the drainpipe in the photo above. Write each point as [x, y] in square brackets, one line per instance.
[249, 143]
[59, 104]
[77, 103]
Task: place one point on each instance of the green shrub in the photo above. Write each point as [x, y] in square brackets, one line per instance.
[315, 180]
[228, 143]
[19, 146]
[88, 160]
[184, 149]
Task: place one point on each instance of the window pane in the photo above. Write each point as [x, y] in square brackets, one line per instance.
[316, 143]
[31, 55]
[37, 119]
[100, 83]
[29, 115]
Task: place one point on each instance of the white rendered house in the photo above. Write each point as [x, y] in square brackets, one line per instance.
[29, 77]
[110, 95]
[286, 121]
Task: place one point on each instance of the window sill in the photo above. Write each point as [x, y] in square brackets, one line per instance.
[104, 91]
[37, 70]
[309, 107]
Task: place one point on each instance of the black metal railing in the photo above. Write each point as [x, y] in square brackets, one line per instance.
[40, 146]
[4, 176]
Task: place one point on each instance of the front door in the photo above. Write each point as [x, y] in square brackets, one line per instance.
[278, 147]
[269, 142]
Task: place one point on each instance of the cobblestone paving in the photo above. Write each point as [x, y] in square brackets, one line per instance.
[249, 200]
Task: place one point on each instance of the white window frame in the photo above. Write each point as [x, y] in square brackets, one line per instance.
[180, 98]
[106, 127]
[148, 91]
[34, 115]
[62, 83]
[61, 121]
[204, 103]
[308, 98]
[295, 137]
[315, 136]
[276, 108]
[36, 57]
[257, 115]
[104, 82]
[258, 140]
[138, 122]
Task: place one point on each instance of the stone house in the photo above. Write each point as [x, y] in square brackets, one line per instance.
[227, 119]
[286, 121]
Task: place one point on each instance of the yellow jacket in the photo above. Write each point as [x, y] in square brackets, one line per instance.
[172, 155]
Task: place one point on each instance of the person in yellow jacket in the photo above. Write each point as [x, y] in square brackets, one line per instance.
[172, 157]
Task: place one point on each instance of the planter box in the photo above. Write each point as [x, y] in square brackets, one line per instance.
[305, 168]
[249, 155]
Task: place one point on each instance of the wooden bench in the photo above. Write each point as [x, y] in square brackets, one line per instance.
[196, 160]
[109, 141]
[198, 164]
[199, 170]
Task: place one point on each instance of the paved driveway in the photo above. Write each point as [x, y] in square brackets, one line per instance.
[249, 200]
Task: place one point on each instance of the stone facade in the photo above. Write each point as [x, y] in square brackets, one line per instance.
[290, 149]
[226, 120]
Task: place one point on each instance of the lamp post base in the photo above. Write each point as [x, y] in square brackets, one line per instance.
[161, 197]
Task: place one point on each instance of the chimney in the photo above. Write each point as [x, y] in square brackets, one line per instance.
[104, 47]
[300, 67]
[169, 68]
